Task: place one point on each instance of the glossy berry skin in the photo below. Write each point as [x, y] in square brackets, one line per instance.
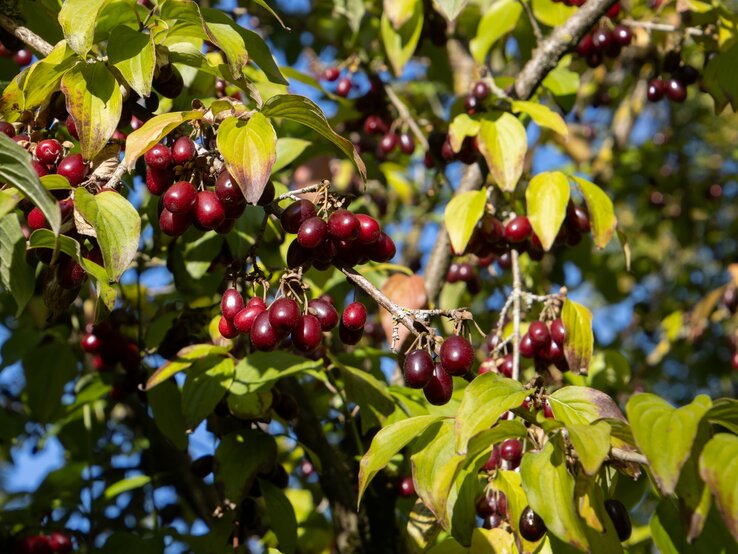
[369, 229]
[343, 225]
[383, 250]
[245, 318]
[539, 334]
[586, 46]
[388, 143]
[37, 219]
[307, 334]
[227, 329]
[349, 336]
[456, 355]
[228, 191]
[284, 314]
[344, 87]
[439, 389]
[91, 343]
[174, 225]
[578, 218]
[354, 316]
[49, 151]
[407, 144]
[267, 195]
[601, 38]
[7, 129]
[331, 74]
[656, 90]
[480, 90]
[231, 303]
[295, 214]
[676, 91]
[622, 35]
[527, 347]
[734, 360]
[558, 332]
[506, 367]
[547, 410]
[158, 181]
[492, 521]
[619, 515]
[494, 460]
[72, 127]
[208, 212]
[60, 543]
[452, 276]
[373, 125]
[23, 57]
[417, 369]
[511, 450]
[325, 312]
[297, 255]
[180, 198]
[405, 486]
[518, 229]
[531, 525]
[263, 336]
[312, 232]
[158, 157]
[687, 75]
[183, 150]
[73, 168]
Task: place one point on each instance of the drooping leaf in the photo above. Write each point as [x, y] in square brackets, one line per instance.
[369, 393]
[601, 211]
[95, 102]
[117, 225]
[399, 11]
[166, 406]
[498, 20]
[78, 19]
[720, 80]
[718, 467]
[546, 198]
[268, 8]
[208, 380]
[281, 516]
[16, 170]
[47, 368]
[132, 53]
[249, 149]
[260, 370]
[724, 412]
[150, 133]
[400, 43]
[184, 359]
[665, 434]
[304, 111]
[583, 405]
[542, 115]
[16, 276]
[504, 144]
[591, 443]
[240, 457]
[485, 399]
[579, 338]
[563, 84]
[461, 216]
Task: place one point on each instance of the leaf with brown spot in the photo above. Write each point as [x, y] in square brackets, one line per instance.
[407, 291]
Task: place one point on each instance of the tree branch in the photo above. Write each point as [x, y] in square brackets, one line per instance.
[26, 35]
[516, 313]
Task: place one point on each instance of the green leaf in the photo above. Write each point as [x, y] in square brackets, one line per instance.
[117, 225]
[240, 457]
[718, 468]
[166, 406]
[450, 9]
[132, 53]
[724, 412]
[258, 371]
[485, 399]
[498, 20]
[55, 182]
[304, 111]
[77, 19]
[551, 13]
[461, 127]
[720, 79]
[95, 102]
[670, 534]
[268, 8]
[16, 276]
[185, 358]
[150, 133]
[125, 485]
[504, 144]
[665, 434]
[601, 211]
[208, 379]
[249, 149]
[462, 214]
[492, 541]
[288, 150]
[8, 201]
[16, 171]
[550, 491]
[281, 516]
[582, 406]
[47, 368]
[400, 44]
[370, 394]
[546, 198]
[250, 405]
[399, 11]
[388, 442]
[563, 84]
[579, 338]
[592, 443]
[542, 115]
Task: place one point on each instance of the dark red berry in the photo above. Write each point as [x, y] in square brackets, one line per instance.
[23, 57]
[656, 90]
[307, 334]
[343, 225]
[73, 168]
[407, 143]
[174, 225]
[295, 214]
[284, 314]
[158, 157]
[7, 129]
[325, 312]
[354, 316]
[471, 104]
[344, 87]
[331, 73]
[623, 36]
[586, 46]
[60, 543]
[531, 525]
[297, 255]
[558, 332]
[263, 335]
[672, 61]
[183, 150]
[405, 486]
[601, 38]
[492, 521]
[506, 367]
[614, 10]
[349, 336]
[452, 276]
[244, 319]
[480, 90]
[456, 355]
[491, 229]
[417, 369]
[518, 229]
[91, 343]
[511, 450]
[494, 460]
[687, 75]
[312, 232]
[39, 168]
[227, 329]
[71, 274]
[439, 389]
[158, 181]
[369, 229]
[383, 250]
[539, 334]
[620, 518]
[594, 59]
[676, 91]
[551, 353]
[267, 196]
[373, 125]
[547, 411]
[49, 151]
[527, 347]
[388, 142]
[72, 127]
[208, 212]
[180, 198]
[231, 303]
[578, 217]
[228, 190]
[37, 219]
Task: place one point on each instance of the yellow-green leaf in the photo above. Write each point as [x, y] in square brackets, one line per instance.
[546, 197]
[184, 359]
[542, 115]
[552, 13]
[499, 19]
[591, 443]
[400, 43]
[77, 19]
[504, 144]
[719, 467]
[601, 211]
[150, 133]
[579, 338]
[399, 11]
[132, 53]
[461, 127]
[461, 216]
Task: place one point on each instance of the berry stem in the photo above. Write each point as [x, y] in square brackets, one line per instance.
[665, 27]
[533, 22]
[406, 116]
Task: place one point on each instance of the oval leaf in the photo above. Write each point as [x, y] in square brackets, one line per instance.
[665, 434]
[281, 516]
[400, 43]
[77, 19]
[16, 276]
[461, 216]
[579, 338]
[249, 149]
[583, 405]
[719, 467]
[542, 115]
[546, 197]
[150, 133]
[500, 19]
[592, 443]
[132, 53]
[94, 101]
[461, 127]
[504, 144]
[184, 359]
[601, 211]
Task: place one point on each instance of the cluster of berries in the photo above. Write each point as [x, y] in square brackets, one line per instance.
[604, 42]
[675, 87]
[55, 543]
[344, 86]
[343, 238]
[268, 326]
[456, 357]
[12, 47]
[391, 140]
[492, 508]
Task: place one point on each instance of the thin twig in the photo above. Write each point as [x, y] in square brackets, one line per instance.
[406, 116]
[628, 456]
[533, 22]
[516, 313]
[26, 35]
[665, 27]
